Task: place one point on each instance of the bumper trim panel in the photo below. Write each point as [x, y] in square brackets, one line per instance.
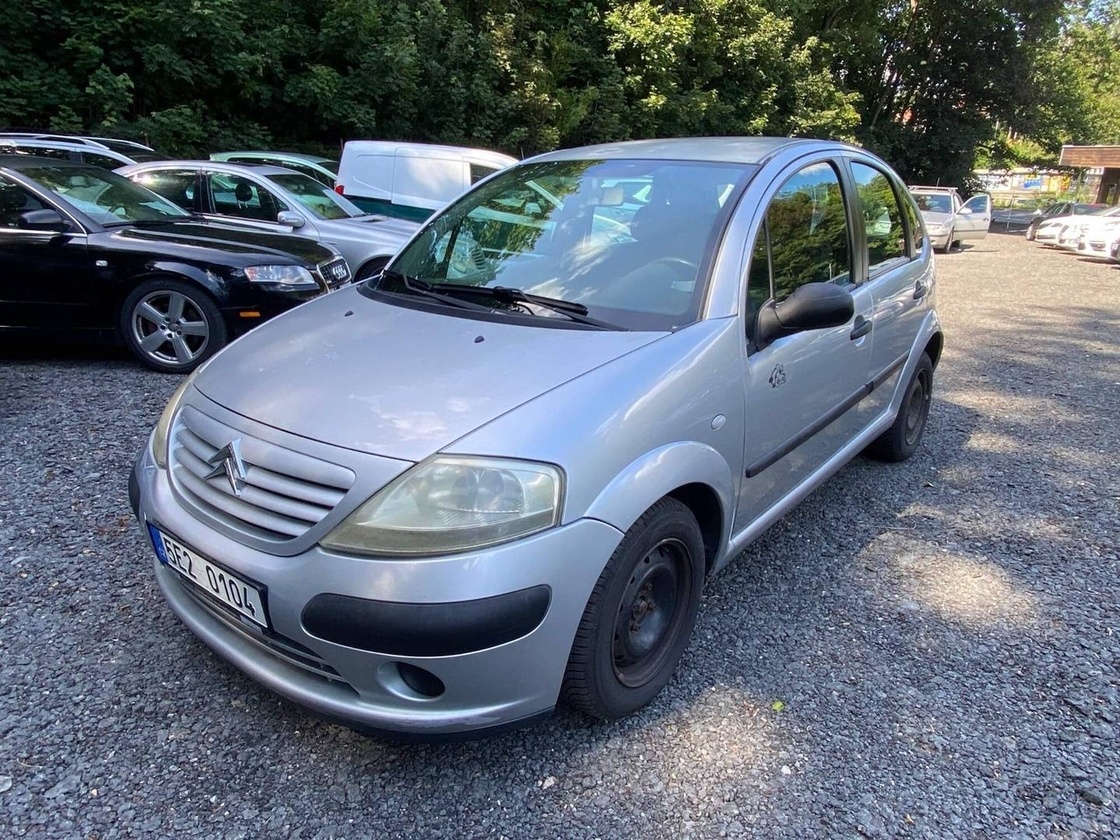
[441, 629]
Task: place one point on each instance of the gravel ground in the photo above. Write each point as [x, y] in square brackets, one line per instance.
[922, 650]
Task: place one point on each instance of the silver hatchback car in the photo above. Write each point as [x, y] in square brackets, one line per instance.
[497, 476]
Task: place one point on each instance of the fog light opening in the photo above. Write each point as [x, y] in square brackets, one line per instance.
[411, 681]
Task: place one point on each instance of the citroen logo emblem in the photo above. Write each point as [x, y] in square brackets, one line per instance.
[227, 461]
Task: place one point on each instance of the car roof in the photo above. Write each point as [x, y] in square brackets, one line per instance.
[293, 155]
[750, 150]
[265, 170]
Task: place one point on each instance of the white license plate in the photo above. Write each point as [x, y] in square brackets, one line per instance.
[245, 598]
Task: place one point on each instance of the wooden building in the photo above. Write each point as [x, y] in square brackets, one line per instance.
[1105, 157]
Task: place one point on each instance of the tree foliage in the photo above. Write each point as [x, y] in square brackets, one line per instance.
[924, 83]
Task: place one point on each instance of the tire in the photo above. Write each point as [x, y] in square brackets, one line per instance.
[904, 436]
[371, 269]
[639, 618]
[1031, 230]
[949, 243]
[183, 315]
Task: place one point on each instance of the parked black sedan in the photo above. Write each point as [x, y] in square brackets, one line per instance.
[86, 252]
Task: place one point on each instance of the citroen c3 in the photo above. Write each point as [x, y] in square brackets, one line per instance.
[497, 476]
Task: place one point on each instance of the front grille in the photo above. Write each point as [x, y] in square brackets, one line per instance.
[334, 272]
[274, 643]
[265, 490]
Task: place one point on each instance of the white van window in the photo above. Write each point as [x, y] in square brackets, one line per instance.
[480, 171]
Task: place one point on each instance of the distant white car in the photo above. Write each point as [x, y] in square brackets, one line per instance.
[949, 220]
[1065, 231]
[1098, 228]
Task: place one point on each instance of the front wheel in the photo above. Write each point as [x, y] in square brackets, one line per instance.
[639, 618]
[904, 436]
[171, 326]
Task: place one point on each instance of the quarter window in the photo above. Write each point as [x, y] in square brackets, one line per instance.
[882, 219]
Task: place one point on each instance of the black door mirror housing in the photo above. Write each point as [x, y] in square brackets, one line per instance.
[814, 306]
[47, 220]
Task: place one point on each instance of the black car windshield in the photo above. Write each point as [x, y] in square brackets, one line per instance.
[106, 197]
[319, 199]
[630, 240]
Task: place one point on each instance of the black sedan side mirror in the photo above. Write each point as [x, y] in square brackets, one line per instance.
[813, 306]
[48, 220]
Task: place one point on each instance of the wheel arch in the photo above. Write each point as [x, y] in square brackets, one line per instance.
[372, 265]
[693, 473]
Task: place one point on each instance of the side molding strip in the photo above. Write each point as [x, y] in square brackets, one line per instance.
[822, 422]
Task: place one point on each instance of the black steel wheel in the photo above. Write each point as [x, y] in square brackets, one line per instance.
[904, 436]
[639, 618]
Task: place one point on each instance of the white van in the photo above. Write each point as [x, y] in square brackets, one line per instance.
[411, 180]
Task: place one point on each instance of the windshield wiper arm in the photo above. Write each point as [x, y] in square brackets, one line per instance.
[429, 290]
[575, 311]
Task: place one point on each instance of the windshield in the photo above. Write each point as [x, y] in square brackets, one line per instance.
[106, 197]
[629, 240]
[321, 200]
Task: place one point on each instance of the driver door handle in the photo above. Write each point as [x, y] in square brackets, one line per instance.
[920, 291]
[860, 328]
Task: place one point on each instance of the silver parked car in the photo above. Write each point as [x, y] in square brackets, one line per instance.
[951, 221]
[498, 476]
[277, 199]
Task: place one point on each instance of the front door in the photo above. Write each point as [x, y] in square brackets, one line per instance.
[45, 276]
[803, 390]
[973, 225]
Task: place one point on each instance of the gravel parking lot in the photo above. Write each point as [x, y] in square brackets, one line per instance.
[929, 649]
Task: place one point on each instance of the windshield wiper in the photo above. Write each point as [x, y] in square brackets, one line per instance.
[506, 294]
[430, 290]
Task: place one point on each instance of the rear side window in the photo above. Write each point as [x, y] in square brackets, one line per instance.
[179, 186]
[882, 219]
[104, 161]
[478, 172]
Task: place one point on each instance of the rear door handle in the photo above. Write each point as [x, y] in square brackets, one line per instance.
[861, 328]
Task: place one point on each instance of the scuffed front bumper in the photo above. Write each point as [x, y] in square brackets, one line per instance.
[493, 627]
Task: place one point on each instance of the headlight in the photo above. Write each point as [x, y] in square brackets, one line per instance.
[163, 427]
[280, 275]
[452, 503]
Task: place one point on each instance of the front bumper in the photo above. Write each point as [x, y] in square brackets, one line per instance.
[492, 679]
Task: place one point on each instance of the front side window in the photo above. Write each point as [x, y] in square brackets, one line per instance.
[572, 231]
[14, 202]
[807, 223]
[322, 201]
[106, 197]
[882, 218]
[176, 185]
[245, 199]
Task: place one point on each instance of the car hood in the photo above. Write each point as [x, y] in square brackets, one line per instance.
[391, 232]
[394, 381]
[229, 239]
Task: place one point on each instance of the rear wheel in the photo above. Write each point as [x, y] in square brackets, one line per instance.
[904, 436]
[639, 618]
[171, 326]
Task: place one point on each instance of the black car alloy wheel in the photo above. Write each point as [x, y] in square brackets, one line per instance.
[172, 326]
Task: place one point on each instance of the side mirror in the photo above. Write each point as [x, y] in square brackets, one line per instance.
[287, 217]
[964, 211]
[814, 306]
[49, 221]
